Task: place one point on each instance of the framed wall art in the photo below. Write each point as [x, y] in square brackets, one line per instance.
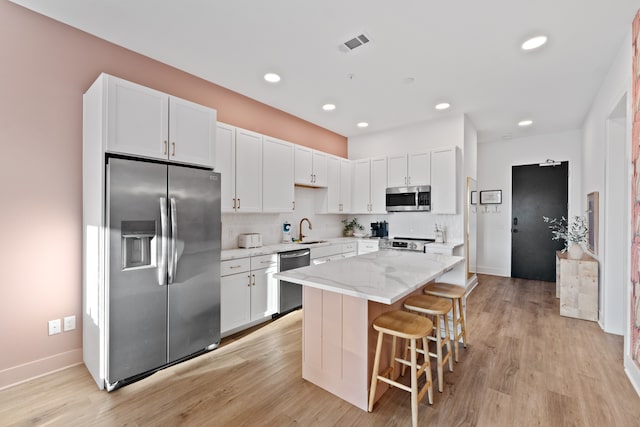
[491, 197]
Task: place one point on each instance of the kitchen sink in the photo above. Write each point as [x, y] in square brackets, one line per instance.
[313, 242]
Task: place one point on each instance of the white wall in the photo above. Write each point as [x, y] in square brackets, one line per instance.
[604, 161]
[449, 131]
[495, 160]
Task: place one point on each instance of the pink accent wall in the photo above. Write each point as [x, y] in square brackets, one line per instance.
[45, 68]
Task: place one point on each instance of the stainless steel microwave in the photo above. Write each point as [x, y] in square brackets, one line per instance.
[404, 199]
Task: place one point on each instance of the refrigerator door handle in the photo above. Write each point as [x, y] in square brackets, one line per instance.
[173, 250]
[162, 263]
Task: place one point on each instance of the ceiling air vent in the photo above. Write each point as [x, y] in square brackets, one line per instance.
[354, 43]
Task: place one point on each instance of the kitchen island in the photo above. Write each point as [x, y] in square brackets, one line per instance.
[340, 301]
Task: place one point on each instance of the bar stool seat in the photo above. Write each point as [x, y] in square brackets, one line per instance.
[455, 294]
[438, 308]
[412, 327]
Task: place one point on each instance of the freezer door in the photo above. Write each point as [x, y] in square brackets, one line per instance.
[137, 294]
[194, 261]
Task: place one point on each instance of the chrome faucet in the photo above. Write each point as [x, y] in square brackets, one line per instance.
[300, 228]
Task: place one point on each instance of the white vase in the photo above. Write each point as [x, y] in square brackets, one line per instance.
[575, 250]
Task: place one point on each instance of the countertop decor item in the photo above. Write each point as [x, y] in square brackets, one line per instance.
[573, 232]
[351, 226]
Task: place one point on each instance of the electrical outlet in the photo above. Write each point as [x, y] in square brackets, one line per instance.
[54, 327]
[69, 323]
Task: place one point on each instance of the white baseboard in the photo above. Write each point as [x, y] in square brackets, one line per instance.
[38, 368]
[492, 271]
[633, 372]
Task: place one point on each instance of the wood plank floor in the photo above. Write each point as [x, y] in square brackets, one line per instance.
[525, 366]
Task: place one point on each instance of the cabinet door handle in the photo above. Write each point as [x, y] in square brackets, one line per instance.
[294, 205]
[249, 277]
[235, 266]
[254, 279]
[166, 147]
[408, 180]
[238, 202]
[234, 203]
[173, 145]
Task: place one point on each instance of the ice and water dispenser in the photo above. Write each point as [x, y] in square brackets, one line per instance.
[138, 244]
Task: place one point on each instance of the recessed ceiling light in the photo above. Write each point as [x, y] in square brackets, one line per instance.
[363, 124]
[408, 80]
[534, 42]
[523, 123]
[328, 107]
[443, 106]
[272, 77]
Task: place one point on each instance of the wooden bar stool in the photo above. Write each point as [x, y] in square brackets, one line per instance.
[400, 324]
[455, 293]
[439, 309]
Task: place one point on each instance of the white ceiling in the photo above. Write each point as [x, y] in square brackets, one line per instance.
[465, 52]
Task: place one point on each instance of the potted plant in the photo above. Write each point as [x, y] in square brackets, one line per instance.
[573, 233]
[350, 227]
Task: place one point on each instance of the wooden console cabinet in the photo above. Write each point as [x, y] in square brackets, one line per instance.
[577, 286]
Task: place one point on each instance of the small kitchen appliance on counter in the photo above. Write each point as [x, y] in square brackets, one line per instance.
[406, 243]
[380, 229]
[250, 240]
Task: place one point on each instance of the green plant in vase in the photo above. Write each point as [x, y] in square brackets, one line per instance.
[351, 226]
[573, 232]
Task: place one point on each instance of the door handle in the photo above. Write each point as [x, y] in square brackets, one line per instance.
[173, 250]
[515, 221]
[162, 267]
[515, 230]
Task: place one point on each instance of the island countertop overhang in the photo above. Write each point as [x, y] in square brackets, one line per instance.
[383, 276]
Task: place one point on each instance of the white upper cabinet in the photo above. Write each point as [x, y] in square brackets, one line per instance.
[419, 168]
[226, 165]
[397, 171]
[277, 175]
[378, 185]
[361, 186]
[192, 130]
[444, 181]
[369, 185]
[337, 198]
[248, 197]
[148, 123]
[409, 169]
[310, 167]
[346, 180]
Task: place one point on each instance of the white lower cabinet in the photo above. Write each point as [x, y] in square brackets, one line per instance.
[365, 246]
[248, 292]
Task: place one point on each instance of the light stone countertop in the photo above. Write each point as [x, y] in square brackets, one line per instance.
[384, 276]
[227, 254]
[447, 245]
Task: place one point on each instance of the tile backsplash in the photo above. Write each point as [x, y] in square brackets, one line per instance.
[270, 224]
[401, 224]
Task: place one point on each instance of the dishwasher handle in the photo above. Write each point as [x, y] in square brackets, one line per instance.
[288, 255]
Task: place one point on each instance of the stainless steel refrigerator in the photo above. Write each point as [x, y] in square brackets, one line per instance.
[163, 271]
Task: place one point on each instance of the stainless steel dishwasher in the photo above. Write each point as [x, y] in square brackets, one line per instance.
[291, 293]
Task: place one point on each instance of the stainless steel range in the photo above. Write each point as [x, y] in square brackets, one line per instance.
[406, 243]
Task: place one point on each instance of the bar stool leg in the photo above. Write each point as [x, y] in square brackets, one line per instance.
[427, 363]
[455, 330]
[448, 341]
[462, 324]
[374, 375]
[439, 352]
[414, 383]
